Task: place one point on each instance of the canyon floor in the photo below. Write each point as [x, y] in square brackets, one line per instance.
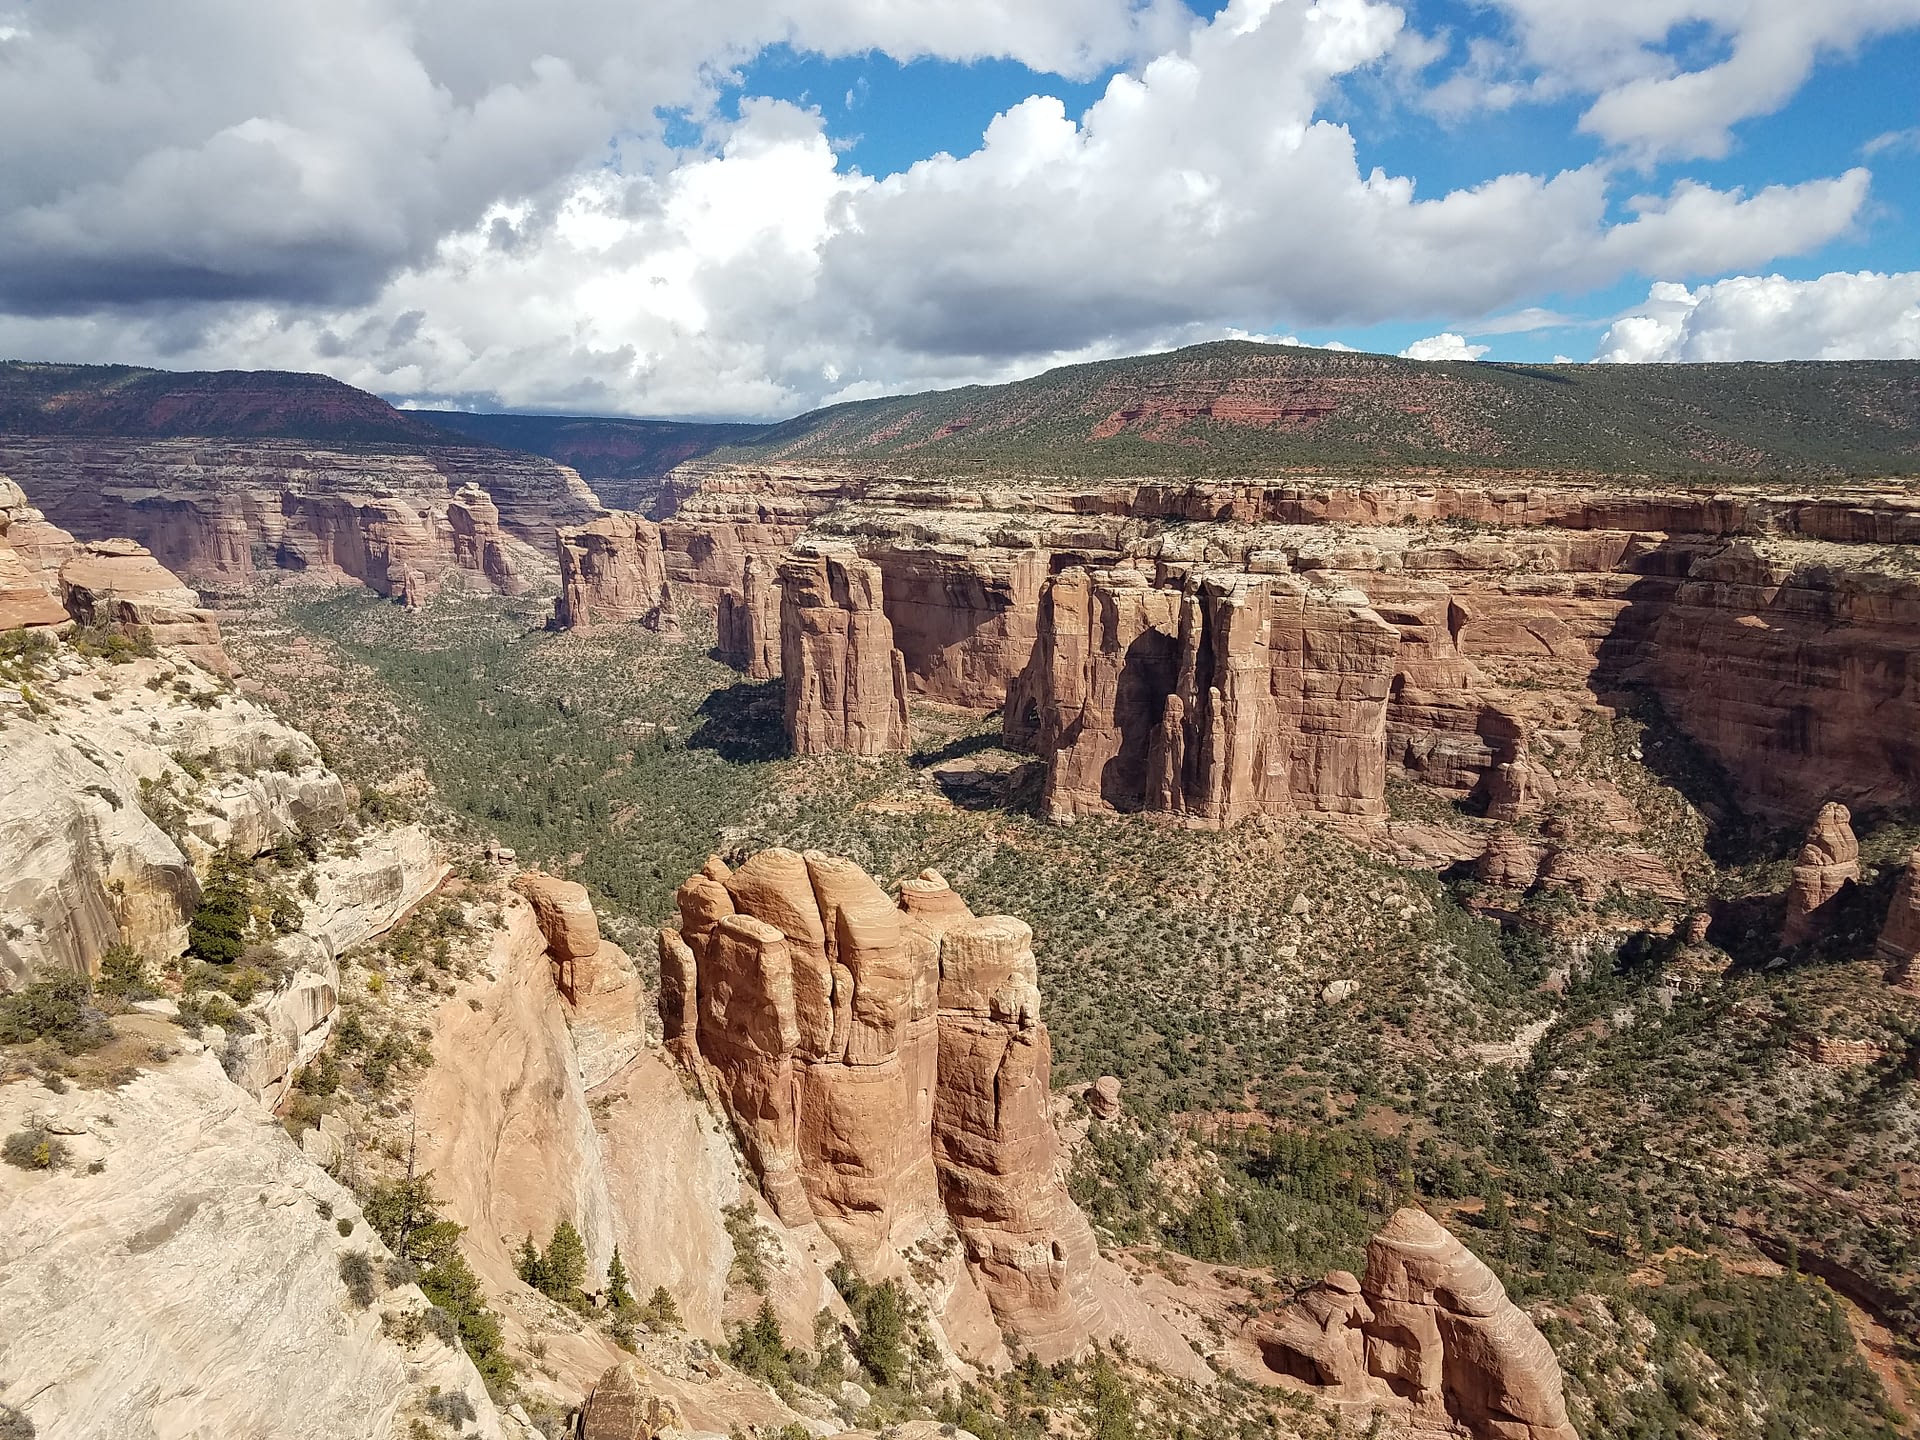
[1710, 1218]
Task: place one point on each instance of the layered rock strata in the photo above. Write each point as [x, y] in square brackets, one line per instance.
[1828, 862]
[748, 620]
[612, 572]
[887, 1071]
[399, 521]
[846, 684]
[1429, 1333]
[1232, 695]
[29, 590]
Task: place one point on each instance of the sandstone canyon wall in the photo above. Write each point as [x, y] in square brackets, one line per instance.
[886, 1069]
[400, 521]
[1776, 629]
[612, 571]
[846, 685]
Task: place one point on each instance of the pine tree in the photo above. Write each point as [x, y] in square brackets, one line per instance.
[618, 1295]
[527, 1263]
[563, 1269]
[661, 1310]
[218, 931]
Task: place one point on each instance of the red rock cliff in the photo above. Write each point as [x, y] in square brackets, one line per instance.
[886, 1069]
[611, 571]
[846, 684]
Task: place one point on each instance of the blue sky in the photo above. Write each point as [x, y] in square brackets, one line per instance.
[689, 208]
[884, 115]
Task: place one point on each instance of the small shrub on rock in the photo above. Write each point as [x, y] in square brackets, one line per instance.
[356, 1273]
[58, 1008]
[452, 1407]
[34, 1149]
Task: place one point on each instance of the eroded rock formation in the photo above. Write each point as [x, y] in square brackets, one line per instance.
[886, 1069]
[1829, 861]
[29, 593]
[1430, 1333]
[611, 572]
[1229, 695]
[846, 683]
[749, 620]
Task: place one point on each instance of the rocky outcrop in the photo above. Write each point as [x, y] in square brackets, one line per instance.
[846, 687]
[118, 585]
[886, 1069]
[1829, 861]
[105, 825]
[479, 547]
[623, 1406]
[181, 1275]
[749, 621]
[1429, 1334]
[612, 572]
[29, 594]
[1900, 936]
[1774, 628]
[564, 913]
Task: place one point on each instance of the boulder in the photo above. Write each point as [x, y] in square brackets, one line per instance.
[1829, 861]
[621, 1406]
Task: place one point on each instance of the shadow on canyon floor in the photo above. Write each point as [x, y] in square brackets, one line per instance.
[743, 724]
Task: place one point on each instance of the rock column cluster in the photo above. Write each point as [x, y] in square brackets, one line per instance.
[885, 1067]
[846, 683]
[1227, 696]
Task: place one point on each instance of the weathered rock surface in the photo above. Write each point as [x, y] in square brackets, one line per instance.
[1828, 861]
[624, 1407]
[190, 1285]
[29, 595]
[1429, 1333]
[564, 913]
[886, 1069]
[1771, 625]
[612, 572]
[846, 684]
[1228, 696]
[82, 863]
[1103, 1098]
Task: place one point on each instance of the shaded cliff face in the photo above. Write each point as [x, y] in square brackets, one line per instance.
[886, 1069]
[398, 520]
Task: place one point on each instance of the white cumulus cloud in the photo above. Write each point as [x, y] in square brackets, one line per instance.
[1444, 346]
[1864, 316]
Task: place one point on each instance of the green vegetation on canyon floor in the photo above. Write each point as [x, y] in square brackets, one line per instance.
[1651, 1159]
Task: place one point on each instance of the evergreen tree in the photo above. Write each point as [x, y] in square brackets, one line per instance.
[527, 1263]
[618, 1295]
[218, 931]
[563, 1269]
[661, 1310]
[883, 1331]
